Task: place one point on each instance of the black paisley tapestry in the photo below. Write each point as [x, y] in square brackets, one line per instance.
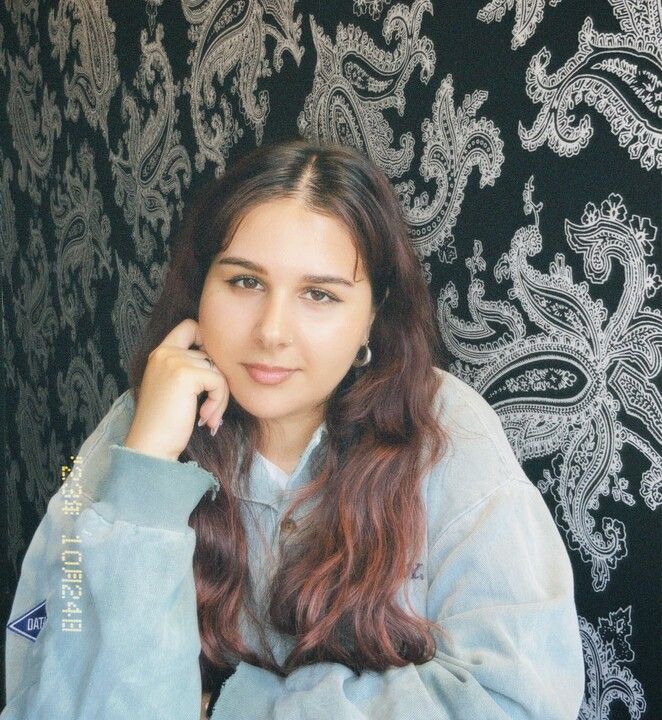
[524, 139]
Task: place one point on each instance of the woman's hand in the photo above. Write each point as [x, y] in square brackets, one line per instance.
[174, 377]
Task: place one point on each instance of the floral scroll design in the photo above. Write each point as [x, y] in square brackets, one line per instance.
[82, 231]
[619, 74]
[85, 30]
[35, 122]
[558, 392]
[151, 164]
[355, 81]
[374, 7]
[230, 36]
[605, 649]
[455, 141]
[528, 13]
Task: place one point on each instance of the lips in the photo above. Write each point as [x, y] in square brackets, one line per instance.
[268, 375]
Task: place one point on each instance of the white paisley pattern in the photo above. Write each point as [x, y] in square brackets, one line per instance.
[619, 74]
[374, 7]
[135, 300]
[34, 125]
[454, 143]
[82, 232]
[528, 13]
[3, 57]
[605, 649]
[86, 388]
[558, 391]
[231, 34]
[151, 162]
[95, 75]
[355, 81]
[152, 10]
[35, 314]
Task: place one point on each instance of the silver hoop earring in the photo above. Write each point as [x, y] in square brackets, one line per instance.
[366, 359]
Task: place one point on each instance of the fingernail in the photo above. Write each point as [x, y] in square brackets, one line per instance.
[201, 421]
[213, 432]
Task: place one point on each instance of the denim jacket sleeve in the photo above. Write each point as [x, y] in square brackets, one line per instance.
[121, 635]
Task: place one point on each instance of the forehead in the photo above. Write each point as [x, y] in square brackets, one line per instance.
[284, 235]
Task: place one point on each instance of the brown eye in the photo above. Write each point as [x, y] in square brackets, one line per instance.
[239, 279]
[331, 298]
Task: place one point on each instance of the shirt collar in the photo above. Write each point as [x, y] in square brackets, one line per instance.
[266, 490]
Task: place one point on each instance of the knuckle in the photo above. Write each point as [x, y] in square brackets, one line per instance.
[172, 364]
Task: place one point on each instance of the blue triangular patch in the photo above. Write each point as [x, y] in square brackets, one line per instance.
[29, 625]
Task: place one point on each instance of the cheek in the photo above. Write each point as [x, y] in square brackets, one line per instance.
[346, 328]
[217, 321]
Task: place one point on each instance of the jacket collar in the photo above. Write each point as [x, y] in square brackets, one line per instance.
[262, 488]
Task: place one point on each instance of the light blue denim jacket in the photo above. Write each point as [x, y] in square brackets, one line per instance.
[112, 561]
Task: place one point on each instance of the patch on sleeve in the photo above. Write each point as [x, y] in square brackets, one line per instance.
[30, 623]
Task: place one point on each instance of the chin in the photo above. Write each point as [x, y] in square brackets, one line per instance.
[256, 402]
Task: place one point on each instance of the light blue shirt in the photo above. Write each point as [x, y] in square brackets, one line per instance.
[112, 560]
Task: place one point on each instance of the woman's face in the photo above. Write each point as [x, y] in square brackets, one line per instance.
[276, 316]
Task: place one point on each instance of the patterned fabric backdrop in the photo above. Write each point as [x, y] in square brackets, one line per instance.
[524, 138]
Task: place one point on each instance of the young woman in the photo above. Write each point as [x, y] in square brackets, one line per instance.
[294, 511]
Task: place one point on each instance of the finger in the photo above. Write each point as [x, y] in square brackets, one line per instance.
[214, 420]
[185, 334]
[199, 355]
[206, 411]
[209, 380]
[211, 412]
[215, 404]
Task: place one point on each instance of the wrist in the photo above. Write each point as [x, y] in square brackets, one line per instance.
[148, 449]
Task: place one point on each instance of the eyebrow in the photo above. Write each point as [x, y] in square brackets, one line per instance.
[249, 265]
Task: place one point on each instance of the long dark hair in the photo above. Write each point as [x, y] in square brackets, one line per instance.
[335, 590]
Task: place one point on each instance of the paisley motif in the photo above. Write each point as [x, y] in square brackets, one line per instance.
[35, 314]
[8, 239]
[558, 325]
[528, 14]
[86, 388]
[560, 391]
[355, 81]
[23, 14]
[151, 164]
[152, 9]
[454, 143]
[3, 57]
[34, 124]
[606, 649]
[138, 290]
[91, 41]
[618, 74]
[229, 36]
[374, 7]
[82, 232]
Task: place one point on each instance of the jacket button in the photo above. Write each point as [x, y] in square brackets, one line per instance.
[288, 526]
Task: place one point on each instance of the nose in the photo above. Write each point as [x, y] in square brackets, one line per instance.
[274, 322]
